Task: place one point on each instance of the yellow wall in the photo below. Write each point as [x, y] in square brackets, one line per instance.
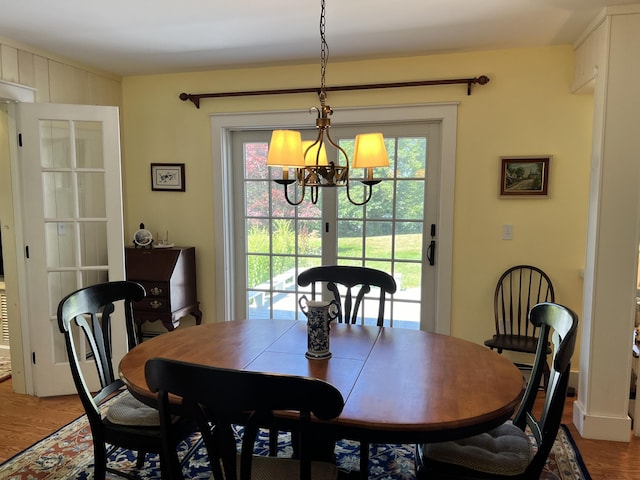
[526, 109]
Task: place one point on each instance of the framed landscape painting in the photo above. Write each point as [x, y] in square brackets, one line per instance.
[524, 176]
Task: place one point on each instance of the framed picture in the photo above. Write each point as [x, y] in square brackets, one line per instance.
[167, 177]
[524, 176]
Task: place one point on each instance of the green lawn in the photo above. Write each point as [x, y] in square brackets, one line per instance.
[408, 256]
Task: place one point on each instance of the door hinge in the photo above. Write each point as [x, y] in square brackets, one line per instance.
[26, 251]
[19, 139]
[33, 357]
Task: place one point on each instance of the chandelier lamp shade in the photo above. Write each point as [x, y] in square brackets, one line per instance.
[313, 168]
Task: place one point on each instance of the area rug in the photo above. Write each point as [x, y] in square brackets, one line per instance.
[5, 368]
[67, 454]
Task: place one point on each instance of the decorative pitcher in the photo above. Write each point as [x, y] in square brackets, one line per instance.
[319, 315]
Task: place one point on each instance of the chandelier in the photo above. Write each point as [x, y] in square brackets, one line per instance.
[309, 159]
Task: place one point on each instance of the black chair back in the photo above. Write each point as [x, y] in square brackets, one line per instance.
[349, 278]
[217, 398]
[506, 452]
[561, 324]
[517, 291]
[90, 309]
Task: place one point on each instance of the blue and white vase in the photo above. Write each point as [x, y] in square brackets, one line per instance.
[319, 316]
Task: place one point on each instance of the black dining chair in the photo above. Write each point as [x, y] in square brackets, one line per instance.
[218, 398]
[84, 317]
[349, 285]
[506, 451]
[518, 289]
[351, 280]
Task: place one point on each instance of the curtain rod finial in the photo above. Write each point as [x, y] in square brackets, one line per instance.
[194, 98]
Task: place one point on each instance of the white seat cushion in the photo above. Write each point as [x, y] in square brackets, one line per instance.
[502, 451]
[127, 410]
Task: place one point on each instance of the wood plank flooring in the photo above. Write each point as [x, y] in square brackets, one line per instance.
[24, 420]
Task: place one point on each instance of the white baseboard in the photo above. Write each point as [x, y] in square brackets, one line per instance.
[617, 429]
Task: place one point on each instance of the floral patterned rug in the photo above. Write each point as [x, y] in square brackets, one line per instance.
[67, 454]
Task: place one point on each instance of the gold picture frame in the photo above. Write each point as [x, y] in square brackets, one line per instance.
[524, 176]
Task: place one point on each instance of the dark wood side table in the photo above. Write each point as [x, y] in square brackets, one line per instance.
[169, 277]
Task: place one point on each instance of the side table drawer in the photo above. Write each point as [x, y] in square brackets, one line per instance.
[151, 304]
[156, 289]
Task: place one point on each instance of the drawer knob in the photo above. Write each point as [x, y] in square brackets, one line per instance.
[156, 291]
[155, 304]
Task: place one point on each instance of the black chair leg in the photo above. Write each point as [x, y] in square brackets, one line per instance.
[273, 441]
[170, 467]
[364, 460]
[140, 456]
[99, 462]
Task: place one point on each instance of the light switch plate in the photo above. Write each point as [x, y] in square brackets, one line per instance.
[507, 232]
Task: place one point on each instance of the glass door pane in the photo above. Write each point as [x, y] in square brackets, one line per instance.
[386, 233]
[279, 239]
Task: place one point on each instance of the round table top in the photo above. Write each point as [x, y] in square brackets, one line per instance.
[399, 385]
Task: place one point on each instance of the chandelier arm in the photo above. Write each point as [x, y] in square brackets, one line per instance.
[318, 141]
[334, 144]
[369, 191]
[338, 147]
[314, 195]
[286, 194]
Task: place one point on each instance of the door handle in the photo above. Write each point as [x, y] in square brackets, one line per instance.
[431, 252]
[431, 249]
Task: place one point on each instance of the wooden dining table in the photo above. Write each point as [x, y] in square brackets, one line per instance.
[399, 385]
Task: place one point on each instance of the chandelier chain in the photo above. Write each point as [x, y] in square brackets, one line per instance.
[324, 54]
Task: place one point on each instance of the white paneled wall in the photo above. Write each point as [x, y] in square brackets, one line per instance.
[590, 53]
[57, 80]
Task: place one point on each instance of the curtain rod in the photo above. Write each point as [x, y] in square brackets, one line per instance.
[196, 97]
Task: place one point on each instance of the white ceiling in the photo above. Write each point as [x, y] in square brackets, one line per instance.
[160, 36]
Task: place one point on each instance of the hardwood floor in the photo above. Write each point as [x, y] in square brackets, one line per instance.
[24, 420]
[605, 460]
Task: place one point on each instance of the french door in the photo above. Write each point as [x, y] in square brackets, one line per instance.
[72, 197]
[390, 233]
[230, 215]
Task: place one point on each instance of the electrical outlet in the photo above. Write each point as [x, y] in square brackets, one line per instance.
[507, 232]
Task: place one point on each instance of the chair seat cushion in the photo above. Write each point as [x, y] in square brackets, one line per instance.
[502, 451]
[128, 410]
[516, 343]
[276, 468]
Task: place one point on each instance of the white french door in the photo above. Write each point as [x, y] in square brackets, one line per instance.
[71, 196]
[238, 255]
[387, 233]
